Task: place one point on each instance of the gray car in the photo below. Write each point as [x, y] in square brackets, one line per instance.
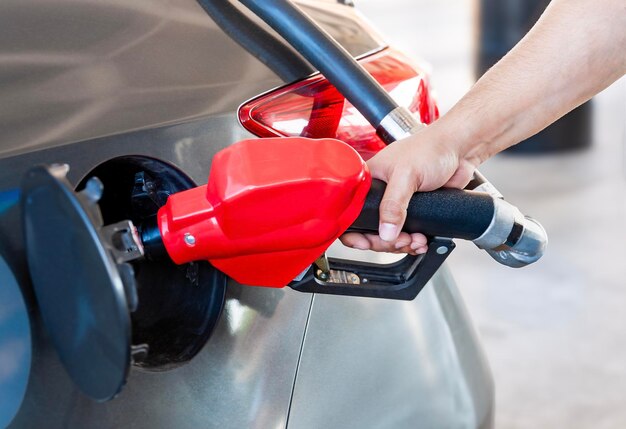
[146, 92]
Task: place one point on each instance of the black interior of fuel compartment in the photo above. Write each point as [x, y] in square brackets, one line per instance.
[178, 306]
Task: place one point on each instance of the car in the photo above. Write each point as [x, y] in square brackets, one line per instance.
[142, 95]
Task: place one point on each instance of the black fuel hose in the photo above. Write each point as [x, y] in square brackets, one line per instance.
[330, 58]
[511, 238]
[266, 47]
[450, 213]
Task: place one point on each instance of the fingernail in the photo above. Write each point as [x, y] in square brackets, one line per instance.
[360, 247]
[388, 231]
[416, 245]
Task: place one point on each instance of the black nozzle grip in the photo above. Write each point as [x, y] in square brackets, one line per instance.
[451, 213]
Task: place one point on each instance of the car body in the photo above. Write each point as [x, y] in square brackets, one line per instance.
[86, 82]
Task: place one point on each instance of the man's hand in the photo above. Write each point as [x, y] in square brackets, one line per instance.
[423, 162]
[575, 50]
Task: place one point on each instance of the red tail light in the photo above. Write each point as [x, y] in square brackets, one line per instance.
[314, 108]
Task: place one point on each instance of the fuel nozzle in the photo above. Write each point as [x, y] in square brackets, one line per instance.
[271, 207]
[150, 236]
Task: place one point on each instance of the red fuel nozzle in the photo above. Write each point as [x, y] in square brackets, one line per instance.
[270, 208]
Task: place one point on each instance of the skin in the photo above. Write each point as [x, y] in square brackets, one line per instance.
[575, 50]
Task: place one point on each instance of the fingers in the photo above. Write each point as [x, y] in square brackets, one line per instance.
[400, 189]
[421, 162]
[355, 240]
[414, 244]
[419, 242]
[402, 245]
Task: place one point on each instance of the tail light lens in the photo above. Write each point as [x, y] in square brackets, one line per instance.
[314, 108]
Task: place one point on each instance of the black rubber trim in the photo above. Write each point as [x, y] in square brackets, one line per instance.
[516, 233]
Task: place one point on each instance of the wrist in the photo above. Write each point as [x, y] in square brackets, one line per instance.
[459, 138]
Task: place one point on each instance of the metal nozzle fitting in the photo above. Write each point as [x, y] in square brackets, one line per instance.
[398, 124]
[527, 250]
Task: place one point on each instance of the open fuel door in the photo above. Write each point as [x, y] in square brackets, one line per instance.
[97, 294]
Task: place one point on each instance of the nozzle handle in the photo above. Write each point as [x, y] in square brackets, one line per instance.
[490, 222]
[451, 213]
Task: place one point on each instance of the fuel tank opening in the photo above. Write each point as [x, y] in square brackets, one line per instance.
[178, 306]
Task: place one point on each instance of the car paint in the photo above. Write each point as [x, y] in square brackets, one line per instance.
[85, 69]
[145, 76]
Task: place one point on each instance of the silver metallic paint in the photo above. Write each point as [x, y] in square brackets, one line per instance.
[243, 377]
[370, 363]
[77, 69]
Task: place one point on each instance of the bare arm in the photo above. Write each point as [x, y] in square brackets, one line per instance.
[576, 49]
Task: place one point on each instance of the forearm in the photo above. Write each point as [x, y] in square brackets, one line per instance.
[577, 48]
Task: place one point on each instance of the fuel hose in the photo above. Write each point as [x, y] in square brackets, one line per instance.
[509, 237]
[330, 58]
[266, 47]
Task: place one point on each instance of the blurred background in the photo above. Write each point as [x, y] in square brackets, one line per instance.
[554, 332]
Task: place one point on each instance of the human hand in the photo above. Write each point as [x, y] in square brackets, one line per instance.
[423, 162]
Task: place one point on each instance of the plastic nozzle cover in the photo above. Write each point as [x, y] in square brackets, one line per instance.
[271, 207]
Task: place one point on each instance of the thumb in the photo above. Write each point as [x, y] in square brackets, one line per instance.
[399, 191]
